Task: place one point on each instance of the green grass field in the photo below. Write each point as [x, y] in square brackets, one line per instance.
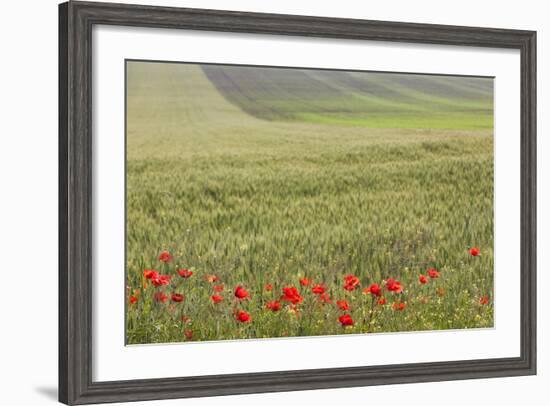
[265, 176]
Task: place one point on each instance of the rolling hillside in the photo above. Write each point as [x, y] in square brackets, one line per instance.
[365, 99]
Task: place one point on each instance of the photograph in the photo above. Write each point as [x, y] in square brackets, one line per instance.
[267, 202]
[275, 203]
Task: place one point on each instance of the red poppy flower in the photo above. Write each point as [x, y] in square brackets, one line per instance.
[149, 273]
[218, 288]
[399, 306]
[133, 299]
[342, 304]
[291, 295]
[241, 293]
[382, 301]
[176, 297]
[211, 278]
[269, 287]
[318, 289]
[325, 298]
[160, 297]
[185, 273]
[351, 282]
[433, 273]
[393, 286]
[165, 256]
[188, 334]
[346, 320]
[422, 279]
[216, 298]
[484, 300]
[185, 319]
[305, 281]
[160, 280]
[274, 306]
[373, 289]
[474, 251]
[243, 316]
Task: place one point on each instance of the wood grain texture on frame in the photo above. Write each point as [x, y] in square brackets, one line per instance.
[76, 20]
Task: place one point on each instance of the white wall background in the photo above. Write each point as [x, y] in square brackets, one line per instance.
[28, 200]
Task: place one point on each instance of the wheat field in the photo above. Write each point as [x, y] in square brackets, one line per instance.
[269, 202]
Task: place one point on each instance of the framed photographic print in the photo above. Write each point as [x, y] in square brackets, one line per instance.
[257, 202]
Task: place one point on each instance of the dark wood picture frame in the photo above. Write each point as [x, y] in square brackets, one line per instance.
[76, 20]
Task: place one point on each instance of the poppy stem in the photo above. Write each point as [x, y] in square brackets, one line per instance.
[371, 313]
